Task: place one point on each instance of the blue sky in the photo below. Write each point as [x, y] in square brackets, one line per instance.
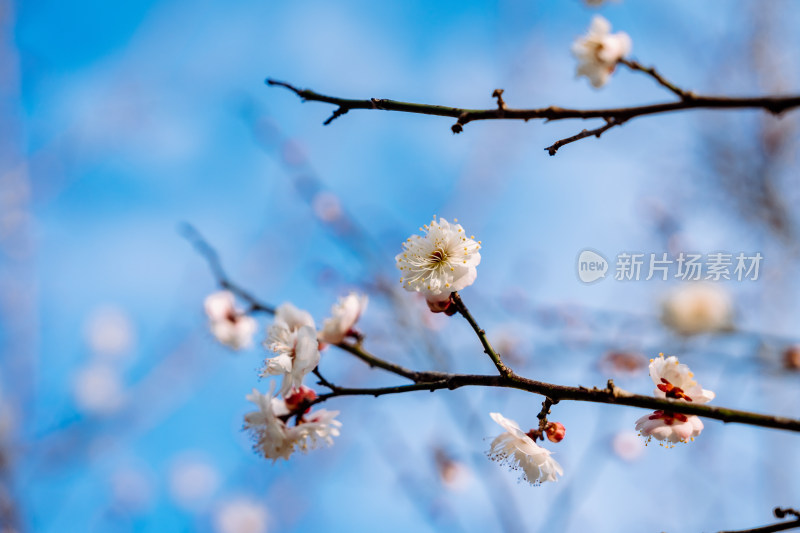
[126, 121]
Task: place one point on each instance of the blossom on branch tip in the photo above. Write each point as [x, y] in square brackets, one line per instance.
[275, 439]
[344, 315]
[442, 261]
[599, 51]
[517, 450]
[674, 381]
[229, 325]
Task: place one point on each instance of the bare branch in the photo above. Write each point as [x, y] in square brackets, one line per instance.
[688, 101]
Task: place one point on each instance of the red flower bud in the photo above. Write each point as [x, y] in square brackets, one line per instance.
[443, 306]
[555, 431]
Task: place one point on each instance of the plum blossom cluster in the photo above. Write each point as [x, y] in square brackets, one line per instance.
[675, 381]
[599, 51]
[440, 262]
[284, 422]
[275, 438]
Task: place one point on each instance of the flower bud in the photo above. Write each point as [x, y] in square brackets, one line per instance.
[298, 397]
[442, 306]
[555, 431]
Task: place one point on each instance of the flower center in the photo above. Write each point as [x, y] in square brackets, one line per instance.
[231, 316]
[672, 391]
[437, 258]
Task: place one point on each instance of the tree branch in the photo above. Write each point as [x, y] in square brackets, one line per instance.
[611, 394]
[688, 101]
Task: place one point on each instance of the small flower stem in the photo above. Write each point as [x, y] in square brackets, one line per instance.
[373, 361]
[542, 416]
[487, 346]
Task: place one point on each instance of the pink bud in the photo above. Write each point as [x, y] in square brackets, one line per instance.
[440, 306]
[443, 306]
[555, 431]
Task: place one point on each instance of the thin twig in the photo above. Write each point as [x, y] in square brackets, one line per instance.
[487, 346]
[688, 101]
[661, 80]
[212, 258]
[597, 132]
[414, 375]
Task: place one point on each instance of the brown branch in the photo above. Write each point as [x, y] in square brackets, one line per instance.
[606, 395]
[780, 526]
[661, 80]
[690, 101]
[212, 258]
[432, 381]
[487, 346]
[597, 132]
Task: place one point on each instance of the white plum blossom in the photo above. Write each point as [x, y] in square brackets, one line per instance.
[298, 354]
[517, 450]
[698, 308]
[675, 381]
[229, 325]
[599, 51]
[275, 439]
[344, 315]
[670, 427]
[442, 261]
